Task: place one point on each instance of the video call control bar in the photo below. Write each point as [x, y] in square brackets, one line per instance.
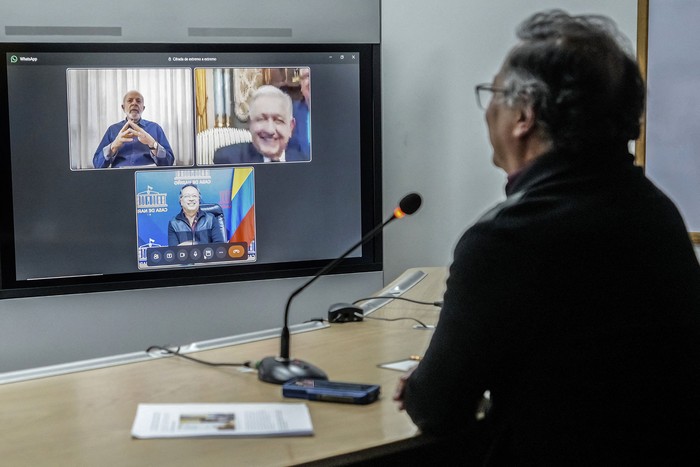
[189, 254]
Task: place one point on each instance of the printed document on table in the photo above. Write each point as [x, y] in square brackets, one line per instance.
[221, 420]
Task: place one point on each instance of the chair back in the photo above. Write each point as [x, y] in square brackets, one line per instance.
[218, 216]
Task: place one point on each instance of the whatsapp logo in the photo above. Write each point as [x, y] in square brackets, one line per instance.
[13, 59]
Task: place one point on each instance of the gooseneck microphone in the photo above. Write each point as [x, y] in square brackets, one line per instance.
[279, 370]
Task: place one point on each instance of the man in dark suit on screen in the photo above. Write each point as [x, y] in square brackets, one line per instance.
[271, 125]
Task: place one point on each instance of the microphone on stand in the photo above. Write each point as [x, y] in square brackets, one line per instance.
[279, 370]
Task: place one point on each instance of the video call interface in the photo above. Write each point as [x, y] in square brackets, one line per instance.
[126, 162]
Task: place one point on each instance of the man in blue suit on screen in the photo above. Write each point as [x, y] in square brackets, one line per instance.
[134, 141]
[271, 125]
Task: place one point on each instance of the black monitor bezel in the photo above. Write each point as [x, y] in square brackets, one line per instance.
[370, 145]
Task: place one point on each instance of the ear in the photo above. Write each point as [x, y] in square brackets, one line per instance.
[525, 123]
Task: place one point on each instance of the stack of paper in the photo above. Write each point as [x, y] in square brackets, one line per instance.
[197, 420]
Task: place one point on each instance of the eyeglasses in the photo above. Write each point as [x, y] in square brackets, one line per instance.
[484, 93]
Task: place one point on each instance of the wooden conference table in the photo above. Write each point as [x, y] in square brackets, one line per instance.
[85, 419]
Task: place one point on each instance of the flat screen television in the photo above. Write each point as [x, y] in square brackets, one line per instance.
[148, 165]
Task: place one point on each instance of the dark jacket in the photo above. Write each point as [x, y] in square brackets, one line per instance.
[576, 302]
[206, 229]
[245, 153]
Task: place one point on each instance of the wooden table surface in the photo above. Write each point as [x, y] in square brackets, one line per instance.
[85, 419]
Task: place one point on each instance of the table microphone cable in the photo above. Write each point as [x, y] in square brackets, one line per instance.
[250, 364]
[391, 297]
[176, 353]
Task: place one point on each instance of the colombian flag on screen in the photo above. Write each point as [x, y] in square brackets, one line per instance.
[242, 218]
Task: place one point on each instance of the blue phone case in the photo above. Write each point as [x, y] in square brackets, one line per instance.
[331, 391]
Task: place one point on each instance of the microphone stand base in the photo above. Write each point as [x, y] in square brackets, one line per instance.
[278, 370]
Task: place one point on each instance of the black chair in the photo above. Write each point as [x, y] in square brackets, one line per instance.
[218, 217]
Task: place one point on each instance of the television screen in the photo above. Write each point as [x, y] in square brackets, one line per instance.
[147, 165]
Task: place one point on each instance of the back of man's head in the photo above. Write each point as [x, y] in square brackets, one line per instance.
[580, 76]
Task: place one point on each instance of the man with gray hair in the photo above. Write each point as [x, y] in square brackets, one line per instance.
[135, 141]
[271, 125]
[575, 303]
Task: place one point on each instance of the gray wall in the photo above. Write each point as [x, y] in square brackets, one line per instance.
[205, 21]
[43, 331]
[673, 72]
